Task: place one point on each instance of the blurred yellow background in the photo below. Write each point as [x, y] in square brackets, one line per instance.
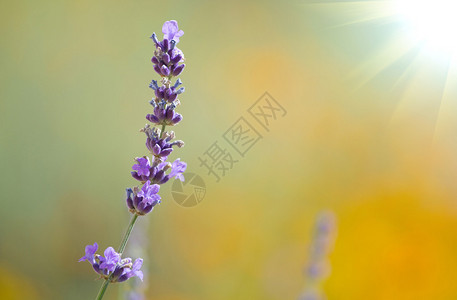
[368, 134]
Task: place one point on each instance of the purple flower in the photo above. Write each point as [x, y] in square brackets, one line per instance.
[110, 260]
[160, 147]
[149, 193]
[156, 175]
[165, 116]
[159, 173]
[177, 169]
[168, 94]
[142, 201]
[171, 31]
[111, 266]
[136, 269]
[143, 166]
[165, 103]
[167, 57]
[129, 270]
[90, 252]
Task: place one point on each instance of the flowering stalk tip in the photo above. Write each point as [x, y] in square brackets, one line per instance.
[151, 170]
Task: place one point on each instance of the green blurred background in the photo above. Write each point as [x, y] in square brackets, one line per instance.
[370, 134]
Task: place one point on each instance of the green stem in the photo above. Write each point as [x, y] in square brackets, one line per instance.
[104, 286]
[102, 290]
[163, 130]
[127, 234]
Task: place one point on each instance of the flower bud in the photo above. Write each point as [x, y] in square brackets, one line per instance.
[164, 70]
[165, 45]
[176, 58]
[176, 119]
[178, 70]
[157, 69]
[154, 38]
[166, 58]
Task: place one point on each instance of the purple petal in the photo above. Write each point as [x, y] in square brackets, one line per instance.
[136, 269]
[177, 168]
[171, 31]
[144, 189]
[170, 27]
[110, 260]
[137, 264]
[155, 188]
[90, 251]
[110, 253]
[139, 274]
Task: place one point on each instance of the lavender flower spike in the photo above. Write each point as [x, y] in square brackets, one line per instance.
[153, 169]
[167, 56]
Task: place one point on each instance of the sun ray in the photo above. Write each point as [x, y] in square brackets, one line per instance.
[393, 50]
[355, 12]
[411, 51]
[448, 104]
[422, 97]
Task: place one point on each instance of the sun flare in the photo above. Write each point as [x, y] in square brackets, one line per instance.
[407, 47]
[432, 22]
